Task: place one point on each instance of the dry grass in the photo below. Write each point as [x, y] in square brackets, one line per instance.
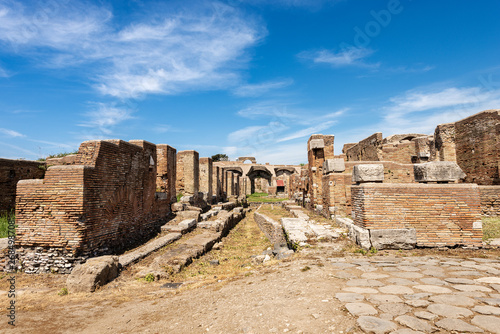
[491, 228]
[274, 211]
[234, 257]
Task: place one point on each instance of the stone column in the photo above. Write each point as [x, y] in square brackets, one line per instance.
[216, 184]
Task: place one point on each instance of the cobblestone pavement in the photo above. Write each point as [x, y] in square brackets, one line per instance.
[421, 294]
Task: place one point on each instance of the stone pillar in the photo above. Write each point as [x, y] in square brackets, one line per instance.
[216, 184]
[206, 177]
[166, 171]
[230, 184]
[444, 140]
[188, 173]
[319, 149]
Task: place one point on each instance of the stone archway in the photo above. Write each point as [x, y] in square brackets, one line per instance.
[258, 172]
[244, 159]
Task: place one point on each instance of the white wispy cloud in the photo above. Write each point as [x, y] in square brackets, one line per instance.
[11, 133]
[308, 131]
[104, 116]
[347, 57]
[165, 52]
[262, 88]
[3, 73]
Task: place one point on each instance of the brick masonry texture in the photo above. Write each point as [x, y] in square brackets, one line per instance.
[11, 171]
[316, 158]
[477, 140]
[166, 171]
[490, 200]
[105, 203]
[188, 173]
[206, 175]
[442, 214]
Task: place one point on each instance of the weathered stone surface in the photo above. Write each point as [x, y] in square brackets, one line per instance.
[349, 297]
[471, 288]
[408, 274]
[358, 309]
[490, 323]
[414, 323]
[396, 289]
[457, 280]
[457, 325]
[297, 230]
[368, 173]
[433, 281]
[432, 288]
[406, 331]
[425, 315]
[438, 171]
[487, 310]
[374, 275]
[489, 280]
[316, 144]
[394, 308]
[375, 325]
[417, 303]
[449, 311]
[381, 299]
[94, 273]
[364, 282]
[402, 238]
[455, 300]
[148, 248]
[333, 165]
[356, 289]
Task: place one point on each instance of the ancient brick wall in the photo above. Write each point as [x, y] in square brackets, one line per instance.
[398, 152]
[442, 214]
[188, 173]
[444, 142]
[316, 158]
[206, 178]
[11, 171]
[490, 200]
[366, 150]
[216, 183]
[477, 142]
[166, 171]
[105, 204]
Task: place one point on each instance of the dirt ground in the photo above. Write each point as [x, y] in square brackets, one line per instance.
[295, 295]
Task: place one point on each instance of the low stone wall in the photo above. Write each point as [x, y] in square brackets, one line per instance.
[490, 200]
[441, 214]
[272, 229]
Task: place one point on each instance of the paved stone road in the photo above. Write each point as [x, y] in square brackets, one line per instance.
[421, 294]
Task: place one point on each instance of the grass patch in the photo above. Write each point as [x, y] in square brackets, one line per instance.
[491, 228]
[235, 256]
[275, 212]
[4, 224]
[263, 197]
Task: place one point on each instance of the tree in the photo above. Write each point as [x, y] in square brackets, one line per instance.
[220, 157]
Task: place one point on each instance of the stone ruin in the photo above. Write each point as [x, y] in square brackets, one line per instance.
[402, 191]
[438, 186]
[109, 197]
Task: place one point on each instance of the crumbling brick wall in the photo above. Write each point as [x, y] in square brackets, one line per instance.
[105, 203]
[444, 142]
[477, 140]
[490, 200]
[442, 214]
[188, 173]
[11, 171]
[366, 150]
[206, 175]
[316, 157]
[166, 171]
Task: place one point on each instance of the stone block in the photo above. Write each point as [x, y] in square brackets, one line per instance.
[333, 165]
[95, 272]
[438, 171]
[368, 173]
[188, 223]
[316, 144]
[402, 238]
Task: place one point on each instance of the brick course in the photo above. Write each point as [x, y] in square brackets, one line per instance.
[442, 214]
[490, 200]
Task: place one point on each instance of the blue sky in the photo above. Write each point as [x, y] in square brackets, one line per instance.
[245, 78]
